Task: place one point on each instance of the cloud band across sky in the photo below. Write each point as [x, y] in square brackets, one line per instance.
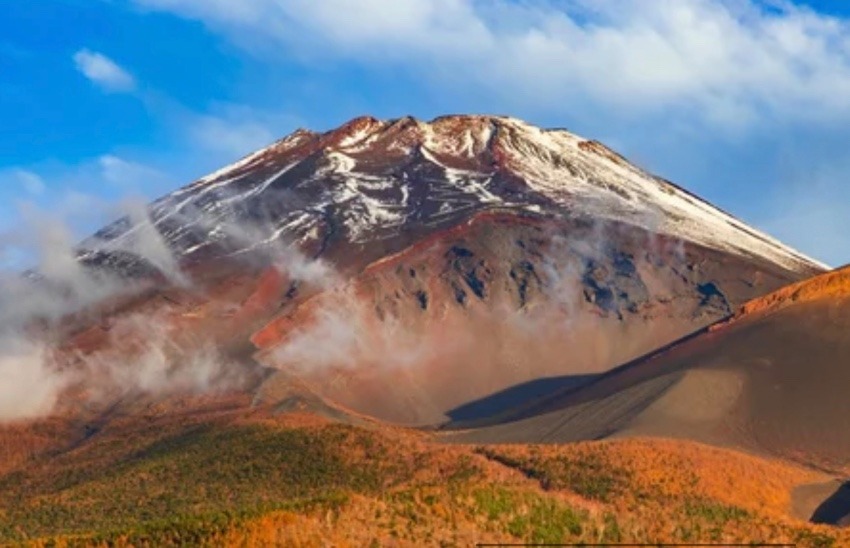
[730, 62]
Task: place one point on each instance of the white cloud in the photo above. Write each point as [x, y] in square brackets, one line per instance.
[727, 62]
[232, 137]
[128, 174]
[30, 182]
[29, 388]
[103, 71]
[83, 194]
[228, 131]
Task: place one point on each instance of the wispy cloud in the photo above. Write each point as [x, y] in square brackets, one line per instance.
[726, 63]
[128, 174]
[107, 172]
[224, 132]
[31, 183]
[83, 194]
[146, 353]
[103, 71]
[231, 137]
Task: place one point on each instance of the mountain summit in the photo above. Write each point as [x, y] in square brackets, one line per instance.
[372, 180]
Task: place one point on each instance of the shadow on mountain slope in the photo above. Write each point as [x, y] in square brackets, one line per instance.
[508, 399]
[835, 510]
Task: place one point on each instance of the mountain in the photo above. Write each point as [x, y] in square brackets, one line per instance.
[404, 269]
[771, 379]
[241, 360]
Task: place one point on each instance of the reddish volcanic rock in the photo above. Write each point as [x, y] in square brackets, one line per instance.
[271, 287]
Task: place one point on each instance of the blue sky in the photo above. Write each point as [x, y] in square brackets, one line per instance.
[744, 102]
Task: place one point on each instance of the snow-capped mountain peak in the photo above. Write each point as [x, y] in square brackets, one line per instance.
[377, 178]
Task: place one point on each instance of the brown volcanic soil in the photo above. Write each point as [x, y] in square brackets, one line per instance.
[441, 329]
[773, 381]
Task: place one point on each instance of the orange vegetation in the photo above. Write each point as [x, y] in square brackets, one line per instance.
[831, 285]
[233, 477]
[674, 468]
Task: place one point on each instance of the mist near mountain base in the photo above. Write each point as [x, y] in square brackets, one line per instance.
[141, 355]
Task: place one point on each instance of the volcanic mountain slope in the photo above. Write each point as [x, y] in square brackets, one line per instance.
[773, 379]
[501, 302]
[403, 269]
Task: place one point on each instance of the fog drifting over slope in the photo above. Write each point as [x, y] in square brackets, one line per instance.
[35, 304]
